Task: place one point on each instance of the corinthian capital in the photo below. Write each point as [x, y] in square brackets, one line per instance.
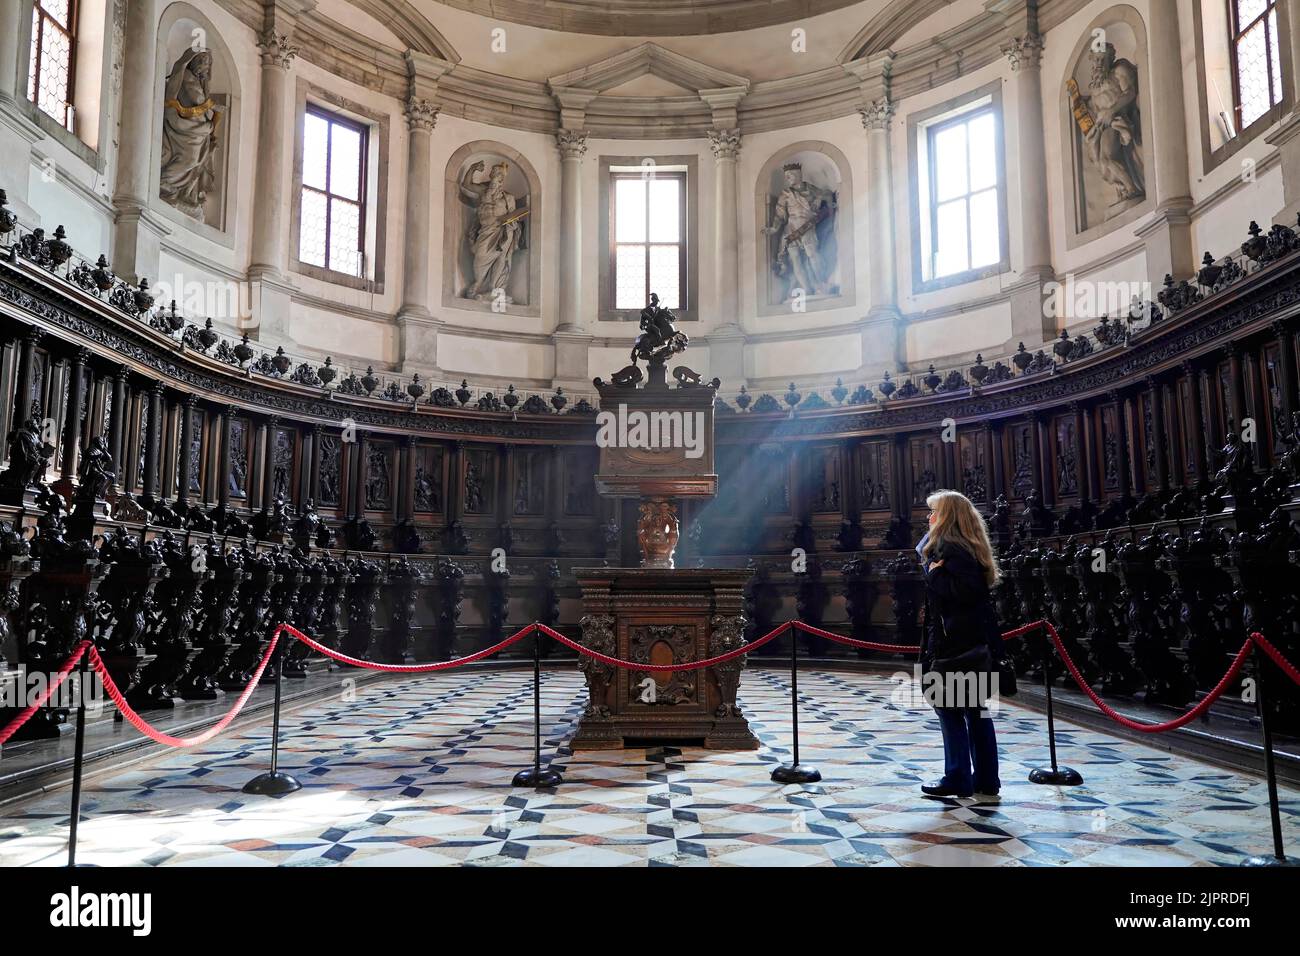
[1024, 53]
[877, 114]
[572, 143]
[420, 114]
[725, 143]
[276, 49]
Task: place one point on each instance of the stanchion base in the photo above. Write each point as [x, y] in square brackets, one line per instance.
[538, 779]
[1064, 777]
[272, 784]
[1267, 861]
[799, 773]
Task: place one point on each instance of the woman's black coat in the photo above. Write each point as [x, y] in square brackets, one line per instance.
[957, 593]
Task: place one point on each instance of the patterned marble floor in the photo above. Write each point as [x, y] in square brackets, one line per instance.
[416, 771]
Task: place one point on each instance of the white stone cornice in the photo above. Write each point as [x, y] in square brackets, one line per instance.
[1024, 52]
[649, 58]
[572, 143]
[724, 104]
[725, 143]
[573, 105]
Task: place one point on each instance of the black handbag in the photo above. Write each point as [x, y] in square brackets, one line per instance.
[1006, 676]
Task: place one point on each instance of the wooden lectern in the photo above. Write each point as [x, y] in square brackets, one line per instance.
[656, 444]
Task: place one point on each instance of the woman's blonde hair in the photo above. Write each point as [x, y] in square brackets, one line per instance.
[957, 522]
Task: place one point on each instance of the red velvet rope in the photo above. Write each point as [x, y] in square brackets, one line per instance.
[25, 714]
[853, 642]
[667, 668]
[1255, 639]
[409, 668]
[1119, 718]
[142, 725]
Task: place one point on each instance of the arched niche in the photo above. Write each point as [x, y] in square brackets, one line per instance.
[823, 166]
[473, 264]
[1109, 168]
[194, 183]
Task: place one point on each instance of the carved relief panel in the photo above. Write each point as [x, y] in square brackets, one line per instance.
[579, 481]
[1020, 441]
[331, 447]
[926, 461]
[772, 481]
[282, 462]
[875, 478]
[1111, 436]
[528, 481]
[974, 466]
[479, 481]
[1065, 458]
[380, 475]
[238, 473]
[429, 466]
[824, 479]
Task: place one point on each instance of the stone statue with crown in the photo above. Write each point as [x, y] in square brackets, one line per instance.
[800, 218]
[495, 233]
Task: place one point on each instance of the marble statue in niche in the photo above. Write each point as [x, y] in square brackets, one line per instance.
[1107, 124]
[189, 135]
[801, 221]
[495, 232]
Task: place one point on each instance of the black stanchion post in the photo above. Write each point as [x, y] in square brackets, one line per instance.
[795, 772]
[1279, 857]
[535, 776]
[1057, 776]
[273, 783]
[79, 756]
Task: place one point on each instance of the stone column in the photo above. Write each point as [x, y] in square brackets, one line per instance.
[883, 340]
[1030, 321]
[419, 329]
[1168, 235]
[572, 339]
[269, 249]
[17, 131]
[726, 347]
[727, 340]
[137, 231]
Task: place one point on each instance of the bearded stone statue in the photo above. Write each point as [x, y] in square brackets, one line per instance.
[189, 139]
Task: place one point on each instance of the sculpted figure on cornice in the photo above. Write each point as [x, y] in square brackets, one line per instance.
[801, 221]
[495, 231]
[1103, 100]
[190, 143]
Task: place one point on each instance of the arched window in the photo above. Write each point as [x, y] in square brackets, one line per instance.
[50, 70]
[1256, 58]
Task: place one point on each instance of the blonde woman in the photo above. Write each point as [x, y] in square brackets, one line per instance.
[962, 642]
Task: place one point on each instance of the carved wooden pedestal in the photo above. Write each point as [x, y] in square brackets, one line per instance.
[662, 616]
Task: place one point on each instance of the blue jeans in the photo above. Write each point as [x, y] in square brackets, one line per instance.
[969, 739]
